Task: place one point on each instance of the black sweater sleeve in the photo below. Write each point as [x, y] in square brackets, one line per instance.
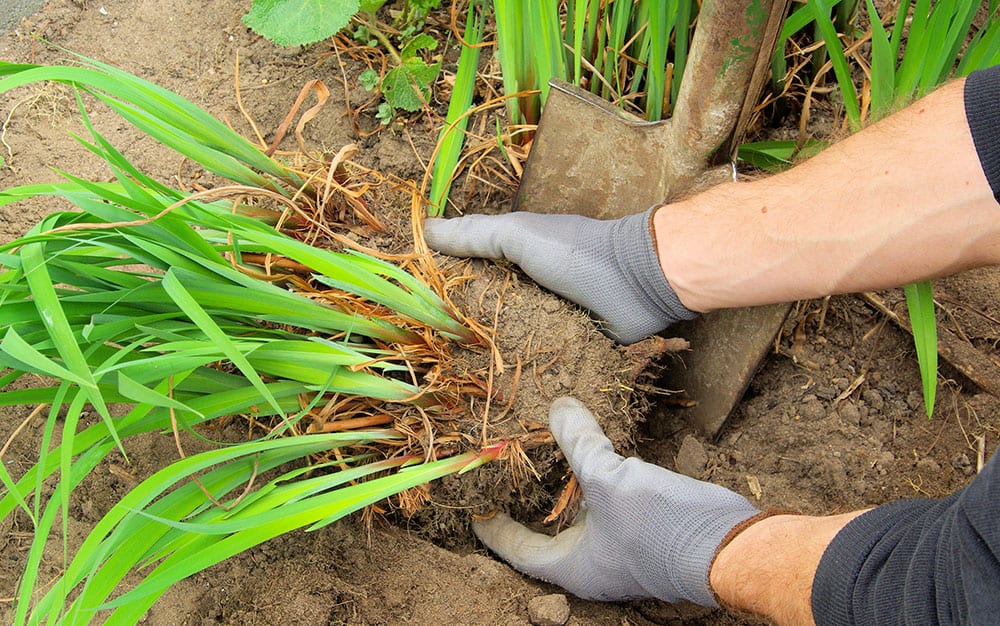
[925, 561]
[982, 109]
[917, 561]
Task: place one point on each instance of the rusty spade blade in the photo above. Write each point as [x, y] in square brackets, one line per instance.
[591, 158]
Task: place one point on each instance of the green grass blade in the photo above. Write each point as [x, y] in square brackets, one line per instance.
[19, 496]
[57, 506]
[167, 108]
[269, 302]
[915, 49]
[311, 512]
[923, 321]
[768, 154]
[267, 505]
[224, 394]
[579, 20]
[52, 315]
[984, 51]
[509, 26]
[797, 20]
[24, 356]
[51, 312]
[132, 522]
[101, 559]
[883, 66]
[452, 136]
[183, 299]
[641, 44]
[547, 45]
[948, 32]
[140, 393]
[614, 63]
[821, 16]
[660, 25]
[898, 27]
[682, 43]
[214, 160]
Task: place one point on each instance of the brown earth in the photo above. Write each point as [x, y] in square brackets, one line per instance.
[832, 422]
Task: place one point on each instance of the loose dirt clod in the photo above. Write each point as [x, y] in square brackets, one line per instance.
[691, 458]
[550, 610]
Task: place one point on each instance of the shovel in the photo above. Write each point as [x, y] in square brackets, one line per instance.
[591, 158]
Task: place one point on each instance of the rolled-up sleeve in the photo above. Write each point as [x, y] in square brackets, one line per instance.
[982, 109]
[917, 562]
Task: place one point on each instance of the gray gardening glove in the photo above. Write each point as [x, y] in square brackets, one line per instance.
[644, 532]
[609, 267]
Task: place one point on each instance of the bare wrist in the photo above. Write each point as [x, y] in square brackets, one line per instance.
[669, 244]
[768, 568]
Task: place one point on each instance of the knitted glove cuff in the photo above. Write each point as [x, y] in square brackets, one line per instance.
[635, 247]
[732, 534]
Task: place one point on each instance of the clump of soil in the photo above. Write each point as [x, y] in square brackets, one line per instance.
[549, 348]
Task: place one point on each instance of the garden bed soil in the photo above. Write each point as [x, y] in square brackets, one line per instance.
[832, 422]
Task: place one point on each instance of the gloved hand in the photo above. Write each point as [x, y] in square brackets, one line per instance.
[644, 532]
[609, 267]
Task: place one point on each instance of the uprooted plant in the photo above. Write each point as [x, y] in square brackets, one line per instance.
[188, 307]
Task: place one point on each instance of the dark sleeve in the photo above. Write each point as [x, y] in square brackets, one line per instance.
[982, 109]
[917, 561]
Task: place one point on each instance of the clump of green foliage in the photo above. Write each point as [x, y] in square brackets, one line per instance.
[175, 305]
[632, 53]
[405, 86]
[448, 151]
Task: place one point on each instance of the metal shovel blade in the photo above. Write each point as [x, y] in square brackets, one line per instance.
[589, 158]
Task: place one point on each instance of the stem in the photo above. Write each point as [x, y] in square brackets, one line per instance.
[378, 34]
[355, 423]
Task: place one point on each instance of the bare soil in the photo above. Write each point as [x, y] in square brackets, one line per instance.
[833, 421]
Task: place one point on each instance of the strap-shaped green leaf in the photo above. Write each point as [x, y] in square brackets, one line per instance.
[821, 15]
[190, 306]
[923, 321]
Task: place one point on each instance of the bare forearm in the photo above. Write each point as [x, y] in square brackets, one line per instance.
[903, 200]
[768, 568]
